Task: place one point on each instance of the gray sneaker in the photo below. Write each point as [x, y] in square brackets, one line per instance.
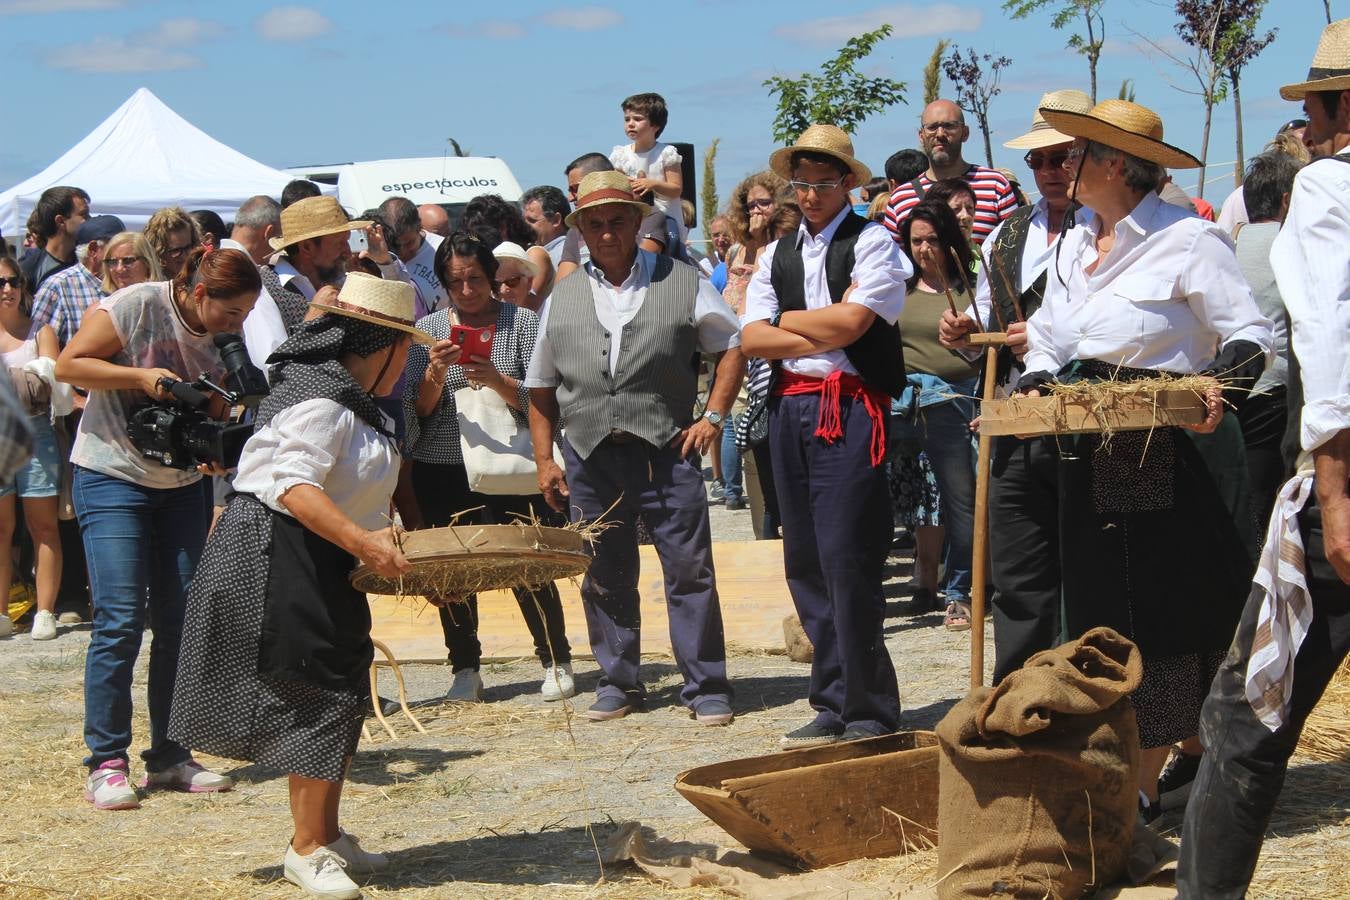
[466, 688]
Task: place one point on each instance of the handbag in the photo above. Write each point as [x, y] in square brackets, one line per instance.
[752, 425]
[497, 449]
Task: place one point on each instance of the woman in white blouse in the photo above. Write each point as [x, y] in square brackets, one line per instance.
[1156, 538]
[276, 645]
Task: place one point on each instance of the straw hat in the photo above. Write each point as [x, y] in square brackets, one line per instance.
[827, 139]
[313, 217]
[1330, 69]
[512, 250]
[599, 188]
[375, 300]
[1124, 126]
[1041, 134]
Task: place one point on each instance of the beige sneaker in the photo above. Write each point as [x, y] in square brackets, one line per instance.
[320, 874]
[348, 846]
[6, 626]
[558, 683]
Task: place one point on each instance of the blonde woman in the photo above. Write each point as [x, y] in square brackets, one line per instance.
[128, 259]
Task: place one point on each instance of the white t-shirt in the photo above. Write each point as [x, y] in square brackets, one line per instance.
[422, 271]
[652, 164]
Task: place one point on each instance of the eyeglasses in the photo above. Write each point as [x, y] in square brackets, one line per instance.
[1054, 160]
[820, 187]
[176, 252]
[12, 281]
[121, 262]
[949, 127]
[513, 282]
[1293, 125]
[761, 203]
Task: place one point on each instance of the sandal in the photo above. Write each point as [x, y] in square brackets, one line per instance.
[957, 617]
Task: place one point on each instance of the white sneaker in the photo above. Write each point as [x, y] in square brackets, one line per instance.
[466, 688]
[6, 626]
[558, 683]
[190, 776]
[348, 846]
[44, 626]
[107, 787]
[320, 874]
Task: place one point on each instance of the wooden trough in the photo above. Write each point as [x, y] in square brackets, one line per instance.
[826, 805]
[1067, 414]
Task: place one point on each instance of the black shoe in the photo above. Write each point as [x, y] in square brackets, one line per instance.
[1174, 785]
[735, 501]
[811, 735]
[923, 601]
[611, 706]
[856, 734]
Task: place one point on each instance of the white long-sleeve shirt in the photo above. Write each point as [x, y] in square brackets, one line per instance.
[1311, 259]
[1167, 296]
[880, 271]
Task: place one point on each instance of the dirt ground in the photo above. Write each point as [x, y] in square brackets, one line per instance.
[508, 798]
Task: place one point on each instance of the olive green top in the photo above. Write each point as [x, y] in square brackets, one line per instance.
[919, 335]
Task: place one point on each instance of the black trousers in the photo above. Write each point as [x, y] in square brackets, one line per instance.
[1263, 418]
[1244, 763]
[442, 491]
[1024, 550]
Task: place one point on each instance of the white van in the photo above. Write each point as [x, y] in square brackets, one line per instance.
[451, 181]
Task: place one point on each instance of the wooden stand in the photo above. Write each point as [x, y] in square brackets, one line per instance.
[979, 563]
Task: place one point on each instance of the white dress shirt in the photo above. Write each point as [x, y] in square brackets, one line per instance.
[1167, 296]
[1311, 259]
[616, 306]
[323, 443]
[880, 271]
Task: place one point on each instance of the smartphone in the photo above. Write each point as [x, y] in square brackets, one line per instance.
[357, 241]
[476, 342]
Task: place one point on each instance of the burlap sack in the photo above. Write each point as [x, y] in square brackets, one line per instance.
[1038, 794]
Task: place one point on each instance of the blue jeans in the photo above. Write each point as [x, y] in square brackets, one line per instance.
[731, 459]
[942, 430]
[142, 545]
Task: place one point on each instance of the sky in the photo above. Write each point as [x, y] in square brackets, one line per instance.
[539, 83]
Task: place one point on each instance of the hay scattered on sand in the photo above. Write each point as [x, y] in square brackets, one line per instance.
[1326, 736]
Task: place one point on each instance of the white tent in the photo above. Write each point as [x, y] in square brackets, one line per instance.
[142, 157]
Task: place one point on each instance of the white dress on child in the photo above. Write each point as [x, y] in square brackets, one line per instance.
[652, 164]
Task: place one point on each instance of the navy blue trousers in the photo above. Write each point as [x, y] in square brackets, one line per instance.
[636, 478]
[836, 516]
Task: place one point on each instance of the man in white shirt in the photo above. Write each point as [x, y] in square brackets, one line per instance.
[417, 250]
[824, 301]
[1301, 635]
[616, 360]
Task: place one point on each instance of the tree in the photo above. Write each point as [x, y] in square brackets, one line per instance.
[1241, 44]
[1127, 90]
[975, 77]
[932, 73]
[839, 95]
[1067, 11]
[708, 192]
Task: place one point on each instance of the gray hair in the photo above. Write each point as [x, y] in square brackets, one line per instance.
[1269, 177]
[259, 212]
[1140, 174]
[82, 250]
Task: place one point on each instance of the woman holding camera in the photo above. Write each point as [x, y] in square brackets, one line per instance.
[468, 269]
[143, 523]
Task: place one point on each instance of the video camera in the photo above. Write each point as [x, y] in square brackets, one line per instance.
[180, 433]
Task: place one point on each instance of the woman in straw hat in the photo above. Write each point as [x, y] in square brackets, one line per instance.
[276, 641]
[1155, 531]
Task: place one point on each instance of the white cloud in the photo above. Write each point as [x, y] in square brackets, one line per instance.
[35, 7]
[292, 23]
[162, 48]
[582, 18]
[906, 20]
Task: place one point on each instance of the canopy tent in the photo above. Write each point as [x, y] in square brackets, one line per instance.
[143, 157]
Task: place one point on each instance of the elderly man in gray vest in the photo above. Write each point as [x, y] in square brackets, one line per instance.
[616, 357]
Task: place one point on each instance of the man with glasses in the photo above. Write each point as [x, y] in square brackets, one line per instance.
[823, 303]
[1023, 492]
[55, 221]
[942, 133]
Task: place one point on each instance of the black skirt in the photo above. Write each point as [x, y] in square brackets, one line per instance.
[247, 687]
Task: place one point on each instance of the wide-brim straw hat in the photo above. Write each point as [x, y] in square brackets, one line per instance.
[513, 251]
[1125, 126]
[378, 301]
[599, 188]
[313, 217]
[1041, 133]
[828, 139]
[1330, 69]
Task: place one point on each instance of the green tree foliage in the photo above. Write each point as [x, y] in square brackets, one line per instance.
[708, 190]
[1065, 12]
[1127, 90]
[932, 73]
[838, 95]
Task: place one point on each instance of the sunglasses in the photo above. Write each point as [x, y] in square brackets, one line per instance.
[761, 203]
[12, 281]
[121, 262]
[1055, 160]
[513, 282]
[175, 252]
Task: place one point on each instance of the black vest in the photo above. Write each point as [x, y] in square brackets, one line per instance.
[1005, 274]
[876, 355]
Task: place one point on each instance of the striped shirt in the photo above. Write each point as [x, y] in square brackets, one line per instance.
[63, 298]
[994, 201]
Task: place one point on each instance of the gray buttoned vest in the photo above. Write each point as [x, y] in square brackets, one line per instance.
[651, 393]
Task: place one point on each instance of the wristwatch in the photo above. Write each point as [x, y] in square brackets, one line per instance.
[714, 417]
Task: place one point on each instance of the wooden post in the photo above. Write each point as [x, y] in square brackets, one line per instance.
[979, 569]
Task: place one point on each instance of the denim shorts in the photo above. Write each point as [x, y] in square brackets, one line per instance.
[41, 475]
